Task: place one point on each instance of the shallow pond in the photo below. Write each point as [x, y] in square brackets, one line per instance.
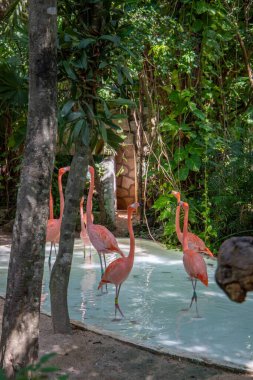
[152, 299]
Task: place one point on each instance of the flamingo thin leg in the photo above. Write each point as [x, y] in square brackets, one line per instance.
[101, 265]
[117, 302]
[194, 296]
[105, 269]
[50, 253]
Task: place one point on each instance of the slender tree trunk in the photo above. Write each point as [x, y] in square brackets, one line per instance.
[61, 270]
[104, 218]
[20, 329]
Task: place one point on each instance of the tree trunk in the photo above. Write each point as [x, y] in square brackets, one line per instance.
[100, 191]
[19, 342]
[108, 182]
[61, 270]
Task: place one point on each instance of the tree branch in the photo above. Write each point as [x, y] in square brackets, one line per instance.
[246, 58]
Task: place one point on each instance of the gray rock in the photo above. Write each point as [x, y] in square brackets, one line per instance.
[234, 273]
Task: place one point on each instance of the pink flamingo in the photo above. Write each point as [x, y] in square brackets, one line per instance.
[83, 234]
[118, 271]
[194, 263]
[194, 241]
[54, 225]
[101, 238]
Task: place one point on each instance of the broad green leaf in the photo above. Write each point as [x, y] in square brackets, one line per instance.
[112, 124]
[69, 70]
[103, 131]
[89, 109]
[161, 202]
[120, 77]
[165, 214]
[67, 107]
[74, 116]
[180, 155]
[82, 63]
[111, 38]
[127, 74]
[175, 80]
[183, 173]
[106, 111]
[85, 42]
[194, 163]
[77, 129]
[103, 64]
[17, 137]
[197, 112]
[123, 102]
[169, 124]
[114, 139]
[85, 134]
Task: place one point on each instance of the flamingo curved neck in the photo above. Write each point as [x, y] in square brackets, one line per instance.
[61, 195]
[89, 199]
[130, 257]
[185, 230]
[178, 231]
[51, 205]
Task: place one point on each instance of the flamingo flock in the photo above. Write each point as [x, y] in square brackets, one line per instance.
[105, 242]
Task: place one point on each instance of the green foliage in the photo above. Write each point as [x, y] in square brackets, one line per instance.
[202, 99]
[230, 187]
[39, 371]
[92, 71]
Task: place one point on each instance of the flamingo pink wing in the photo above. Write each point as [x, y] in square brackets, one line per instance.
[195, 266]
[53, 230]
[197, 244]
[117, 272]
[103, 239]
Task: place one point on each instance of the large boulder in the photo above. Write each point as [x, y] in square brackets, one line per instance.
[234, 273]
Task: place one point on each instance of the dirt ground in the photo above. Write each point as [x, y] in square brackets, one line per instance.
[86, 355]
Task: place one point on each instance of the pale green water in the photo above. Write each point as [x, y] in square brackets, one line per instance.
[152, 299]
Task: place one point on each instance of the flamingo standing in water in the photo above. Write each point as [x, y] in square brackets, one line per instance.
[54, 225]
[118, 271]
[101, 238]
[83, 234]
[194, 263]
[194, 241]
